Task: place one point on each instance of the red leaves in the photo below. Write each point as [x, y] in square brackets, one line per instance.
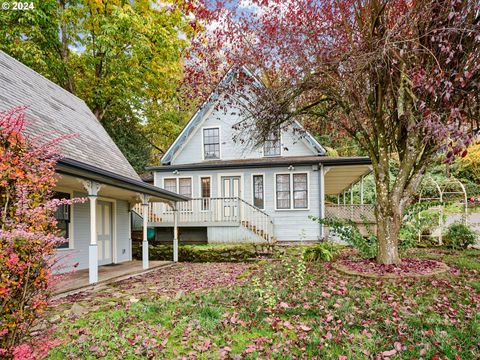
[406, 267]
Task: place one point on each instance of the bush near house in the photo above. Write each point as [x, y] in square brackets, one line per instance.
[208, 253]
[27, 232]
[237, 252]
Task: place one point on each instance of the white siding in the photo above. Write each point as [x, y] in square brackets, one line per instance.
[192, 149]
[231, 234]
[81, 235]
[123, 247]
[289, 225]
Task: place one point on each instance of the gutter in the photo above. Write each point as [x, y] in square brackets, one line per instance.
[264, 164]
[79, 169]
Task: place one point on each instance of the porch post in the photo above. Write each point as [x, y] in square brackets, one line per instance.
[92, 188]
[351, 195]
[145, 263]
[361, 190]
[322, 200]
[175, 233]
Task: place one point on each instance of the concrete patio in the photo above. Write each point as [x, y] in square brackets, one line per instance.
[78, 281]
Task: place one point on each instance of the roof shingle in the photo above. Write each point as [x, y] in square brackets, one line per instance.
[52, 112]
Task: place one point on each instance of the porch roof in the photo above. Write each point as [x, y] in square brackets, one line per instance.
[81, 170]
[266, 162]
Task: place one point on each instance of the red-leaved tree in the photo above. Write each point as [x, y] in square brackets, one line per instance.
[28, 233]
[400, 77]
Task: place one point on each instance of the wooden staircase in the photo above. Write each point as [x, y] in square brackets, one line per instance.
[205, 212]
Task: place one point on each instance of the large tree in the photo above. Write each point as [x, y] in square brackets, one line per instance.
[122, 57]
[400, 77]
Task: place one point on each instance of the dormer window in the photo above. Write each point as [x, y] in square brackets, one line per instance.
[272, 146]
[211, 143]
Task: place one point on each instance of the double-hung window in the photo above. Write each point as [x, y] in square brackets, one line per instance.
[211, 143]
[291, 191]
[272, 145]
[181, 186]
[258, 192]
[205, 192]
[62, 215]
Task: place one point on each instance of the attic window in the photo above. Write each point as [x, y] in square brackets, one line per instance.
[272, 144]
[211, 143]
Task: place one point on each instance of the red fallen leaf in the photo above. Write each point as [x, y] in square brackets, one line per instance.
[329, 318]
[342, 357]
[131, 341]
[305, 328]
[389, 353]
[284, 305]
[287, 325]
[458, 357]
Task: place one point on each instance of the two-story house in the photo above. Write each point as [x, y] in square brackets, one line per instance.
[244, 193]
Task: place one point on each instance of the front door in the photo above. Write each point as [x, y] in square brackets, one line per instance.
[104, 232]
[230, 189]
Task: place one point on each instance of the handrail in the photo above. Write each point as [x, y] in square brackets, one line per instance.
[253, 207]
[226, 210]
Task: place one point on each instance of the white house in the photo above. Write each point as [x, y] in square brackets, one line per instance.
[247, 194]
[92, 167]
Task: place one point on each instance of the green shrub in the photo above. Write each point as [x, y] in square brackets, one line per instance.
[459, 236]
[208, 253]
[348, 232]
[325, 251]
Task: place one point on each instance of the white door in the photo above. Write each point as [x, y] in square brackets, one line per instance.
[230, 189]
[104, 232]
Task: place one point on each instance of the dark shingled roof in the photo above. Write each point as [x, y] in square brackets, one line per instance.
[52, 111]
[267, 162]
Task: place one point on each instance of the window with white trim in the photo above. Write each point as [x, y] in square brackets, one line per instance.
[272, 145]
[258, 191]
[283, 191]
[300, 191]
[170, 185]
[182, 186]
[205, 192]
[291, 191]
[211, 143]
[62, 215]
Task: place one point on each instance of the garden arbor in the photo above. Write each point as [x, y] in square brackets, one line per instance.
[440, 193]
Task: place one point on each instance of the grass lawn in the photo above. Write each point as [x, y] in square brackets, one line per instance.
[276, 310]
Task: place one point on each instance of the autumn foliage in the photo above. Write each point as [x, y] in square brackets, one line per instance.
[27, 230]
[401, 78]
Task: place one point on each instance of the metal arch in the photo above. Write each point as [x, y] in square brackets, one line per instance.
[463, 192]
[437, 186]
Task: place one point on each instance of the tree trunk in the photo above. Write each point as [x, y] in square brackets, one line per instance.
[389, 221]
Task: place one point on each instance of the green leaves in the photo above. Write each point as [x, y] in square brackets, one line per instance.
[122, 58]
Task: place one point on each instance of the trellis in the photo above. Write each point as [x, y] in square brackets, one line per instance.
[449, 190]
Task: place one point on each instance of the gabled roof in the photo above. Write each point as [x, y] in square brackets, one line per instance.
[52, 111]
[199, 117]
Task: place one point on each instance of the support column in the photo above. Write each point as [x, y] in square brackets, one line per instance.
[92, 188]
[145, 262]
[351, 195]
[175, 233]
[361, 190]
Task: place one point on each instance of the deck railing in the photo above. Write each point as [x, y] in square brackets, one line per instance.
[211, 211]
[356, 212]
